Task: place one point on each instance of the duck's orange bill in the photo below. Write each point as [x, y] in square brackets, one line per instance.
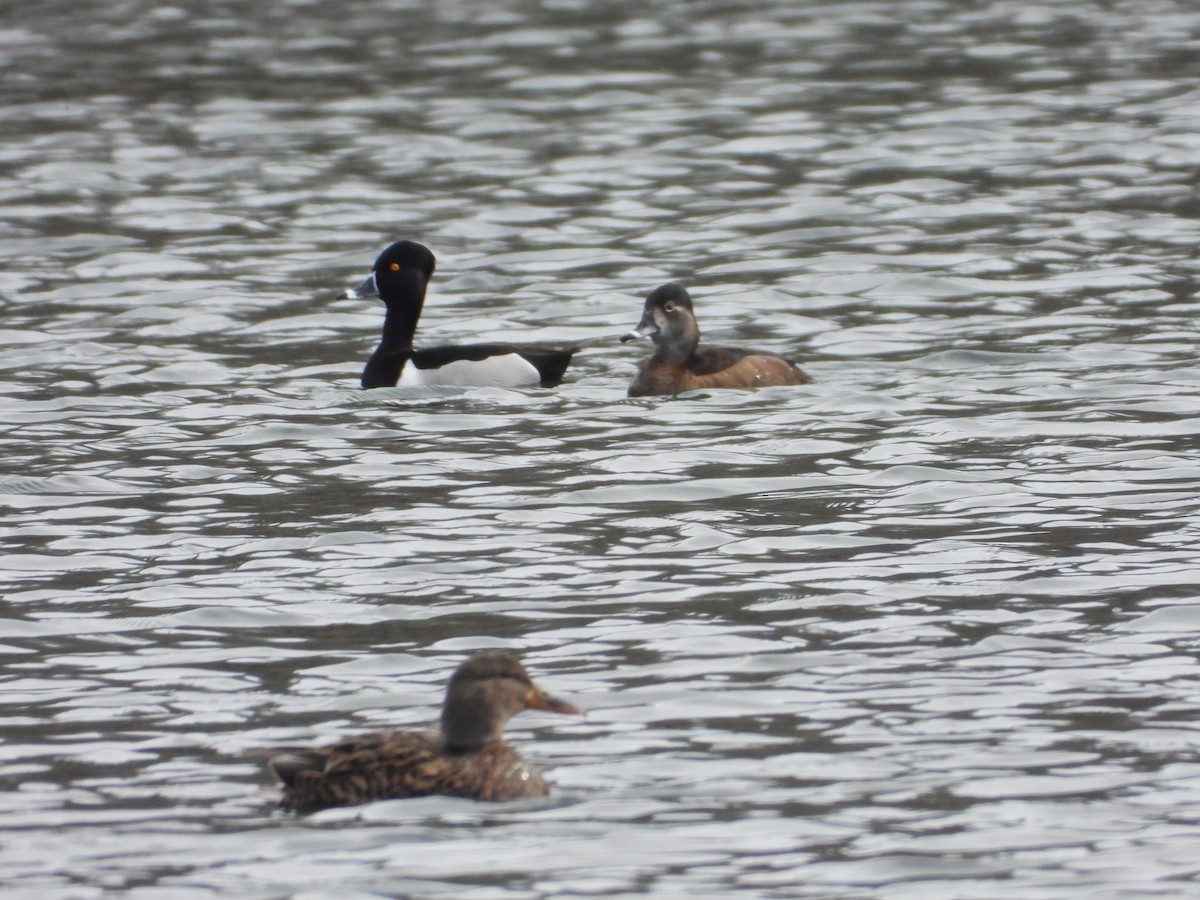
[538, 700]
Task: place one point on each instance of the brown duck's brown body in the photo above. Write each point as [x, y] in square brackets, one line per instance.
[714, 367]
[679, 363]
[466, 758]
[397, 765]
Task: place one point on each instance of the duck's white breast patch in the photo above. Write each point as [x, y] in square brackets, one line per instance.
[509, 370]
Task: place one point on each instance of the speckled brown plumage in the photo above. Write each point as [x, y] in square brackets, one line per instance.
[466, 758]
[679, 363]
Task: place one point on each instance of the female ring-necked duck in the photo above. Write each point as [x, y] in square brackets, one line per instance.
[399, 279]
[679, 363]
[466, 758]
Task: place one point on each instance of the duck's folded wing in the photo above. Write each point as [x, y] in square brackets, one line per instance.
[736, 367]
[358, 770]
[513, 363]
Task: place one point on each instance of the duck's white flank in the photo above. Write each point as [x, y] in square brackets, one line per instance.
[509, 370]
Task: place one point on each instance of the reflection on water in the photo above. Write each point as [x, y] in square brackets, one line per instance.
[923, 625]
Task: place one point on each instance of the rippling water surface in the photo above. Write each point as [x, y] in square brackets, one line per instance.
[926, 627]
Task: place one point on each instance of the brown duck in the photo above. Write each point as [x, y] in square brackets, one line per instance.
[679, 363]
[467, 758]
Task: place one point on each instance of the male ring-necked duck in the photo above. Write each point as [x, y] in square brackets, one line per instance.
[466, 758]
[679, 363]
[399, 279]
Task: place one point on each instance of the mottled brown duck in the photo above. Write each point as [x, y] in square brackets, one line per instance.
[679, 363]
[466, 758]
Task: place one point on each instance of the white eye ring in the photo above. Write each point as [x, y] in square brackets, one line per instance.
[669, 306]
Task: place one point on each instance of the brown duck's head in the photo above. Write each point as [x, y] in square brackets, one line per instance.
[669, 320]
[484, 693]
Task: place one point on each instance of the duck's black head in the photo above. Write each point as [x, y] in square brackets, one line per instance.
[404, 256]
[668, 319]
[400, 275]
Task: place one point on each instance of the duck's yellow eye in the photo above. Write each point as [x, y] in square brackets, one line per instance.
[395, 267]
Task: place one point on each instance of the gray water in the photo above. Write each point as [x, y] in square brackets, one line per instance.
[927, 627]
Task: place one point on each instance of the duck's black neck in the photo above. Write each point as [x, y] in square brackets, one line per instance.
[395, 347]
[383, 368]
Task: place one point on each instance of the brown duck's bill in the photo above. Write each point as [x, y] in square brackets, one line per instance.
[538, 700]
[646, 328]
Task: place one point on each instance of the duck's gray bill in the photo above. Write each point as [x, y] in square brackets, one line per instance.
[367, 289]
